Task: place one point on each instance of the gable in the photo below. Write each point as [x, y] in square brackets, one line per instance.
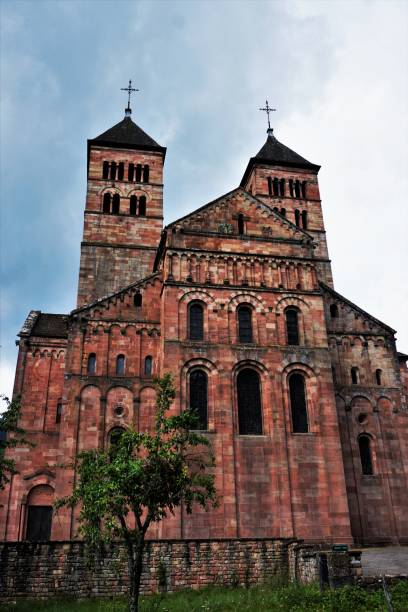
[351, 318]
[221, 217]
[139, 301]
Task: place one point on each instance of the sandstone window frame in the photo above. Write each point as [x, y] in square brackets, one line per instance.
[298, 402]
[366, 455]
[120, 368]
[245, 325]
[243, 427]
[91, 364]
[292, 325]
[203, 418]
[195, 325]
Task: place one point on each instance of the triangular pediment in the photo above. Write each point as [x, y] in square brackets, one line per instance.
[350, 318]
[221, 216]
[123, 304]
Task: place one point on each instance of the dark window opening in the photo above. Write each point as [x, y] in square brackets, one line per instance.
[304, 188]
[304, 219]
[291, 188]
[196, 322]
[142, 206]
[120, 365]
[138, 173]
[354, 376]
[276, 209]
[270, 187]
[378, 377]
[283, 212]
[148, 365]
[282, 188]
[121, 171]
[39, 519]
[365, 455]
[244, 324]
[146, 174]
[131, 172]
[113, 171]
[297, 217]
[297, 189]
[298, 403]
[105, 170]
[275, 186]
[137, 300]
[115, 204]
[240, 224]
[292, 326]
[198, 397]
[249, 403]
[334, 311]
[115, 435]
[334, 374]
[58, 413]
[133, 205]
[106, 207]
[91, 363]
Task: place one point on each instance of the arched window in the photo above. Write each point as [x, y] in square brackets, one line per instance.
[244, 324]
[142, 206]
[275, 186]
[105, 170]
[137, 300]
[249, 402]
[283, 212]
[292, 326]
[58, 413]
[133, 205]
[291, 188]
[39, 513]
[334, 311]
[282, 188]
[138, 173]
[113, 171]
[121, 171]
[148, 365]
[297, 189]
[106, 207]
[131, 172]
[270, 188]
[365, 455]
[198, 396]
[354, 376]
[304, 219]
[298, 403]
[378, 374]
[297, 217]
[304, 188]
[115, 204]
[91, 369]
[120, 365]
[196, 322]
[146, 173]
[240, 224]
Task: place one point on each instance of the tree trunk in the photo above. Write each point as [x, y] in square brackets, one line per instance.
[135, 563]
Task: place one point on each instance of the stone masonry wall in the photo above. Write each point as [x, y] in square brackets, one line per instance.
[42, 570]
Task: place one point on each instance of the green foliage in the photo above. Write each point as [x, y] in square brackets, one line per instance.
[14, 437]
[265, 598]
[143, 475]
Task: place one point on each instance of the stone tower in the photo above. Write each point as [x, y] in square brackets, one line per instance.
[123, 212]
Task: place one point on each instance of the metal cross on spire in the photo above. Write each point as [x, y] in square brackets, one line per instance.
[268, 110]
[129, 89]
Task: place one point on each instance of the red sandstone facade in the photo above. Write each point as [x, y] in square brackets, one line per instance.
[261, 246]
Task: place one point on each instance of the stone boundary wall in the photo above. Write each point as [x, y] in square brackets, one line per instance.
[50, 569]
[41, 570]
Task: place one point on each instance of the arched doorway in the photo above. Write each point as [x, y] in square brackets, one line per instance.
[39, 513]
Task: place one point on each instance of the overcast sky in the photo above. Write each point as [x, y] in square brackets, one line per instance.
[336, 71]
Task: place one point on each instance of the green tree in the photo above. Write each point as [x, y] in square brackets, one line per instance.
[12, 436]
[140, 479]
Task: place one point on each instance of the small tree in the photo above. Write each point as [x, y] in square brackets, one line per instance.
[11, 435]
[141, 479]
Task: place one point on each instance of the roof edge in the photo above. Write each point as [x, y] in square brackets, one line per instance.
[267, 162]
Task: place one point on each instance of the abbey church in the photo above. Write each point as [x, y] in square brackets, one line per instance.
[302, 394]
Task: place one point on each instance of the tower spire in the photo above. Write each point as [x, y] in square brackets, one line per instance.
[129, 89]
[268, 110]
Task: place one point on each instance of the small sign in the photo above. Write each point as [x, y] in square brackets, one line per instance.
[340, 548]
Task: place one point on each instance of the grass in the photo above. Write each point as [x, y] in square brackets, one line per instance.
[279, 598]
